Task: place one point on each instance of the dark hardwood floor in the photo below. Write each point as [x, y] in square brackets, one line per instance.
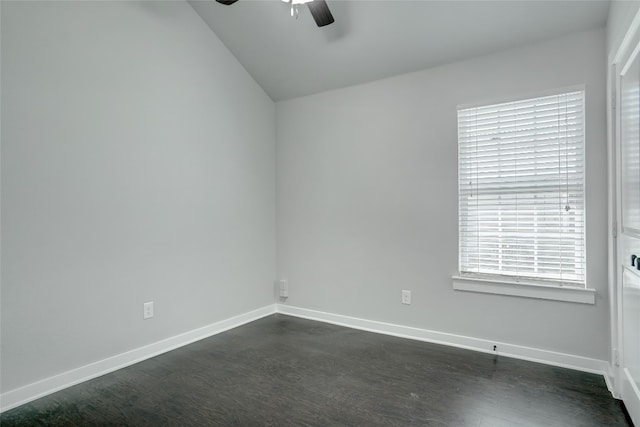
[284, 371]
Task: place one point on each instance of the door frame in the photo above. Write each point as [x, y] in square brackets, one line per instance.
[614, 66]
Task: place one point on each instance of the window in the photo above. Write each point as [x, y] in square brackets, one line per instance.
[521, 190]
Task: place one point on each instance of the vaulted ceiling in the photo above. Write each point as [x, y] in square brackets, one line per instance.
[370, 40]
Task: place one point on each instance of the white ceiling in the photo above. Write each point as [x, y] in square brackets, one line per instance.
[375, 39]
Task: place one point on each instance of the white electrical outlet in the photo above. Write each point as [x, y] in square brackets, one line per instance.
[406, 297]
[283, 288]
[148, 310]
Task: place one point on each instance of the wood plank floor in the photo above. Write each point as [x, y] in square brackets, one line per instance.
[284, 371]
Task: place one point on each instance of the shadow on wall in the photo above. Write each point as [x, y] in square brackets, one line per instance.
[340, 28]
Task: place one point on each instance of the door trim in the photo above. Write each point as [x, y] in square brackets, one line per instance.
[627, 49]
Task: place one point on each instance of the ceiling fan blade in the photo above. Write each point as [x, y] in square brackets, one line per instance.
[320, 12]
[227, 2]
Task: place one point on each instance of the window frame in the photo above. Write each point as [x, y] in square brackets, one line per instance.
[540, 288]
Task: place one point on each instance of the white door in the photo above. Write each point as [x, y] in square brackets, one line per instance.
[628, 263]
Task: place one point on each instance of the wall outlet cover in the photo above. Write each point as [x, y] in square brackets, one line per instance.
[148, 310]
[406, 297]
[283, 288]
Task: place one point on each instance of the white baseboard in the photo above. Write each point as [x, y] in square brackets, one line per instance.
[610, 379]
[563, 360]
[631, 397]
[30, 392]
[22, 395]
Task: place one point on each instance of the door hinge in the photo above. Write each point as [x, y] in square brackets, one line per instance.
[614, 229]
[614, 100]
[616, 357]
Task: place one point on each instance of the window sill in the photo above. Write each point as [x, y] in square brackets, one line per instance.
[528, 290]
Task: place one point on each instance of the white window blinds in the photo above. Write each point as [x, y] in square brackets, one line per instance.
[521, 189]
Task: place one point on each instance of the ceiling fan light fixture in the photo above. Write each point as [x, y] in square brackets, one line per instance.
[318, 8]
[295, 4]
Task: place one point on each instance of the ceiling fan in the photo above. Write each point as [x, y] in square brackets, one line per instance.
[318, 8]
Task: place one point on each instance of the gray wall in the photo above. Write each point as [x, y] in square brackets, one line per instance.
[137, 164]
[367, 198]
